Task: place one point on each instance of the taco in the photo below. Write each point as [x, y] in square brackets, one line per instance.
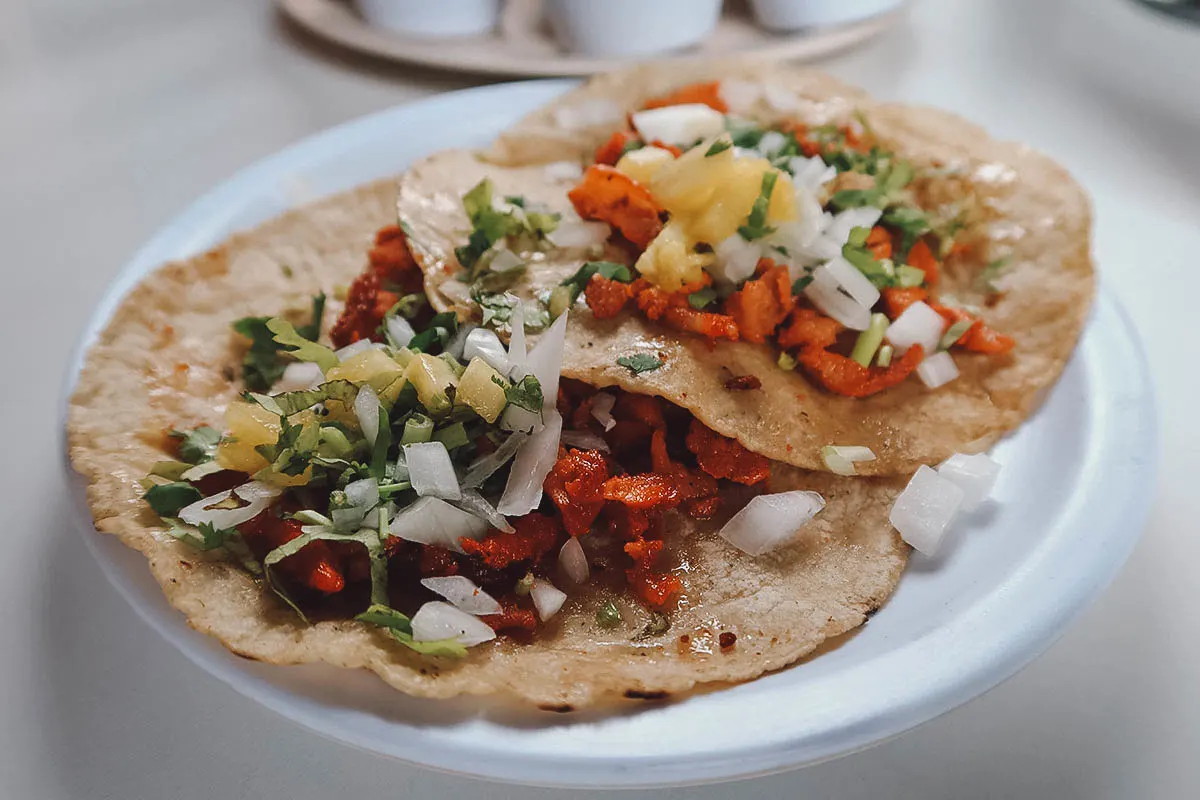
[887, 278]
[319, 480]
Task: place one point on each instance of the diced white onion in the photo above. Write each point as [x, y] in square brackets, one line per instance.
[678, 125]
[829, 299]
[520, 420]
[563, 171]
[584, 440]
[919, 324]
[354, 348]
[841, 459]
[463, 594]
[925, 508]
[436, 522]
[298, 376]
[975, 475]
[485, 344]
[475, 503]
[588, 114]
[516, 344]
[771, 143]
[546, 599]
[740, 96]
[853, 282]
[782, 99]
[431, 471]
[810, 174]
[458, 341]
[545, 360]
[258, 497]
[769, 520]
[846, 221]
[363, 493]
[399, 330]
[436, 620]
[937, 370]
[532, 464]
[573, 560]
[505, 260]
[602, 406]
[366, 408]
[578, 233]
[735, 260]
[483, 467]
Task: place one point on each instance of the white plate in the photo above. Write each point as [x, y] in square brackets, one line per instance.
[522, 44]
[1072, 499]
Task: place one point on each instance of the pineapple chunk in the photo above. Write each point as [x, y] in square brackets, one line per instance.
[374, 367]
[249, 425]
[710, 196]
[370, 366]
[670, 260]
[478, 389]
[431, 377]
[643, 163]
[686, 185]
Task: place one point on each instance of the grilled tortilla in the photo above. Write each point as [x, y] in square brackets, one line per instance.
[1027, 210]
[167, 359]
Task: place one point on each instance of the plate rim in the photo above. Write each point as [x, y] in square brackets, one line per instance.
[1134, 441]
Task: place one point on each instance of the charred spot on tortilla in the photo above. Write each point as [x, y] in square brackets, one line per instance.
[642, 694]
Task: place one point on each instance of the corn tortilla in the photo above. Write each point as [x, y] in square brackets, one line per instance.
[167, 359]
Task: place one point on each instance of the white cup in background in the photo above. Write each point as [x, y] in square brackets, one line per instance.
[789, 15]
[432, 17]
[630, 27]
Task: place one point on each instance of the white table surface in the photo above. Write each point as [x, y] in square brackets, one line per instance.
[114, 114]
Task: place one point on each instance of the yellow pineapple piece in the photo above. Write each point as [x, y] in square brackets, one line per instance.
[670, 260]
[686, 185]
[249, 425]
[643, 163]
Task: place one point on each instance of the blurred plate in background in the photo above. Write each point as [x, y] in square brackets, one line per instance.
[523, 44]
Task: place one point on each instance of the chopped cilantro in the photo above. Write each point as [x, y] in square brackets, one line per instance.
[436, 334]
[399, 627]
[408, 306]
[756, 224]
[304, 349]
[263, 365]
[515, 200]
[608, 615]
[658, 624]
[606, 269]
[632, 144]
[718, 147]
[801, 283]
[640, 362]
[702, 299]
[168, 498]
[199, 445]
[525, 393]
[205, 537]
[911, 222]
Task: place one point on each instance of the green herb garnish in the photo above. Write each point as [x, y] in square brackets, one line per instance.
[168, 498]
[608, 616]
[605, 269]
[640, 362]
[719, 146]
[197, 446]
[703, 298]
[756, 224]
